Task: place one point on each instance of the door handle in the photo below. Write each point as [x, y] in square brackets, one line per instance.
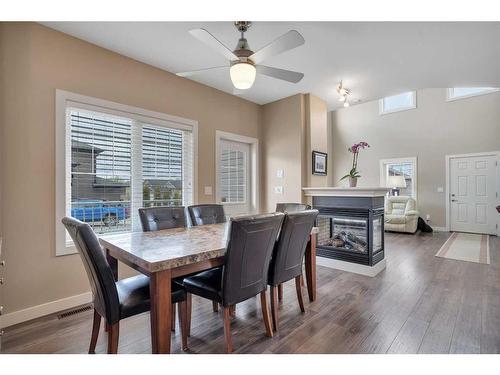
[453, 200]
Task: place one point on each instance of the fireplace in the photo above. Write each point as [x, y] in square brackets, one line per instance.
[351, 229]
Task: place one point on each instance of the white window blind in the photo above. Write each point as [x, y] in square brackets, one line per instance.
[120, 164]
[100, 170]
[232, 175]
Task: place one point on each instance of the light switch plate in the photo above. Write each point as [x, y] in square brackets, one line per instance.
[208, 190]
[278, 190]
[440, 189]
[280, 173]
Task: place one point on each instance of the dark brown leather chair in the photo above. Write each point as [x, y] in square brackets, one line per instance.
[291, 207]
[203, 214]
[114, 300]
[244, 273]
[288, 255]
[158, 218]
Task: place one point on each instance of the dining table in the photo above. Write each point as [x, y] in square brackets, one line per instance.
[171, 253]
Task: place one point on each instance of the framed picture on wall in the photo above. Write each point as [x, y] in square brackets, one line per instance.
[319, 160]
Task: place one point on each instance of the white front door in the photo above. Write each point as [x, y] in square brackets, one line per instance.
[234, 177]
[473, 194]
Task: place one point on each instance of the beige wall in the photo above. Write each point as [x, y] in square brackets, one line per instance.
[291, 129]
[435, 129]
[316, 137]
[282, 148]
[35, 61]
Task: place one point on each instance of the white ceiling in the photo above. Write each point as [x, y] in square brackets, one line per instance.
[374, 59]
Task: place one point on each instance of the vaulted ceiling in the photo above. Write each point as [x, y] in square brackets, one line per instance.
[373, 59]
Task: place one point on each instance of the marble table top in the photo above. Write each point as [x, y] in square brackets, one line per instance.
[170, 248]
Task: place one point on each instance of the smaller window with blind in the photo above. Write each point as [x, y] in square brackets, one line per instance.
[397, 103]
[232, 173]
[400, 174]
[455, 93]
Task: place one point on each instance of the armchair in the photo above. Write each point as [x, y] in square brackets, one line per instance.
[401, 214]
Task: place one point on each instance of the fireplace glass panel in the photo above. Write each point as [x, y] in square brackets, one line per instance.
[344, 233]
[377, 234]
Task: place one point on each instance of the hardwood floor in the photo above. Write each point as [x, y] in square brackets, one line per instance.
[419, 304]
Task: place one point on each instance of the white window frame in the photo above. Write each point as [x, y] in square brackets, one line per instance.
[450, 97]
[254, 163]
[412, 160]
[65, 100]
[413, 104]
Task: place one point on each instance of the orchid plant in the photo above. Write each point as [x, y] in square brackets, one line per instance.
[355, 148]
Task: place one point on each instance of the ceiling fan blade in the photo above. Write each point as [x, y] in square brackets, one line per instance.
[199, 71]
[284, 43]
[210, 40]
[285, 75]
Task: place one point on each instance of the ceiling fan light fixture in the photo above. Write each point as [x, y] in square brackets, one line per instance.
[242, 75]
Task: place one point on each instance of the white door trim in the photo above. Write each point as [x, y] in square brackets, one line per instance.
[448, 170]
[254, 154]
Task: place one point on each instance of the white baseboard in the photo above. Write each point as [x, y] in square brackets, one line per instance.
[38, 311]
[440, 229]
[351, 267]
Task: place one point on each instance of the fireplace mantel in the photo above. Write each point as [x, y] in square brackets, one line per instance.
[345, 191]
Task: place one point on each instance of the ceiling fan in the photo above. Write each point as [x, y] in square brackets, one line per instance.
[244, 64]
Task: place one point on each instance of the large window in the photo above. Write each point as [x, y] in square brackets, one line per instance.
[406, 167]
[455, 93]
[396, 103]
[116, 160]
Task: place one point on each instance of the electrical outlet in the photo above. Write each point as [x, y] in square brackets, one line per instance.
[440, 189]
[208, 190]
[278, 190]
[280, 173]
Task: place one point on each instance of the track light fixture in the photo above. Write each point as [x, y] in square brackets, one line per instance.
[343, 94]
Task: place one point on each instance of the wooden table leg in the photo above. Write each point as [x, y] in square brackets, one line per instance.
[161, 304]
[311, 267]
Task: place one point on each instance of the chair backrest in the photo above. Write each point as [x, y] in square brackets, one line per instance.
[158, 218]
[292, 207]
[250, 246]
[398, 205]
[202, 214]
[101, 277]
[288, 254]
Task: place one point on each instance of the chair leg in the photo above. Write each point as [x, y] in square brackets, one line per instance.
[215, 306]
[299, 292]
[189, 300]
[232, 310]
[280, 292]
[182, 306]
[265, 314]
[172, 318]
[227, 329]
[95, 332]
[274, 307]
[114, 332]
